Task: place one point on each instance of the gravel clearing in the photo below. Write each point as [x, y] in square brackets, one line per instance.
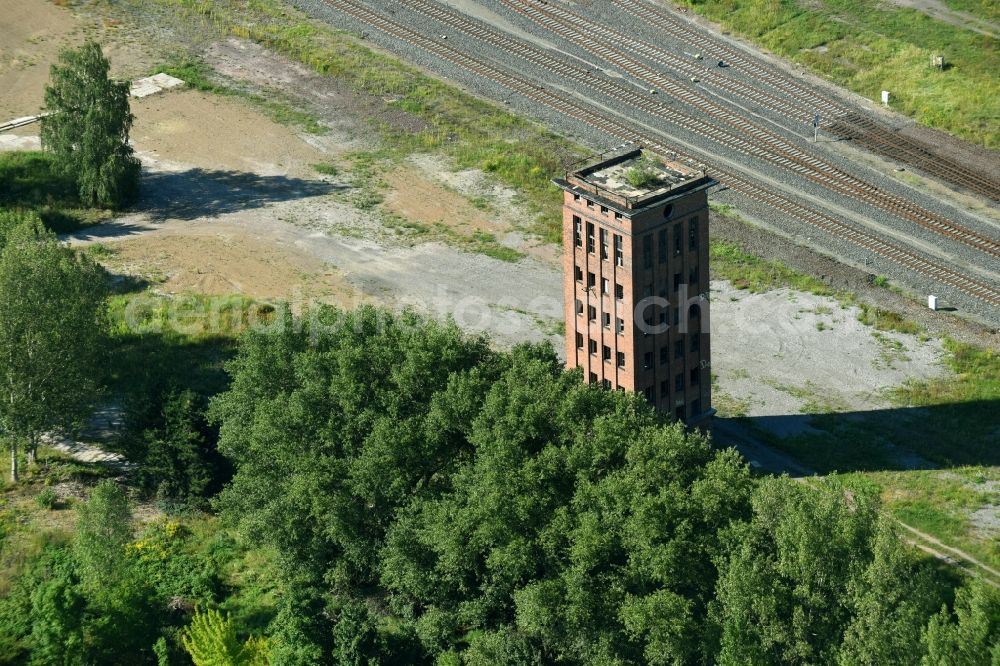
[803, 353]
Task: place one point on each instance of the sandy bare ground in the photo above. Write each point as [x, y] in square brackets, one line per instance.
[31, 36]
[223, 134]
[799, 354]
[33, 32]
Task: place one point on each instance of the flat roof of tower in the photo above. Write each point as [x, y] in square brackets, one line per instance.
[634, 179]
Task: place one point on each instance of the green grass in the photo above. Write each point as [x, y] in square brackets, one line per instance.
[966, 424]
[475, 133]
[30, 181]
[485, 243]
[869, 46]
[159, 341]
[479, 242]
[198, 75]
[98, 251]
[757, 275]
[367, 168]
[950, 421]
[326, 169]
[984, 9]
[886, 320]
[728, 406]
[941, 504]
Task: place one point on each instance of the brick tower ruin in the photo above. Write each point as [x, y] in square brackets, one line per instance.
[635, 262]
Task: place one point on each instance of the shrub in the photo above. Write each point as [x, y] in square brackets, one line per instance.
[47, 498]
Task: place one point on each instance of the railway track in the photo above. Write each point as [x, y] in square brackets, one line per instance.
[595, 118]
[846, 123]
[886, 142]
[736, 132]
[597, 37]
[717, 49]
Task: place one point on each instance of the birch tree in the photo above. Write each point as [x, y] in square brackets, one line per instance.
[88, 126]
[51, 329]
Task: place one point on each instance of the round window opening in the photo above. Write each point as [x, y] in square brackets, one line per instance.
[668, 211]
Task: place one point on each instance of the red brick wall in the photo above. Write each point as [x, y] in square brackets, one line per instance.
[635, 280]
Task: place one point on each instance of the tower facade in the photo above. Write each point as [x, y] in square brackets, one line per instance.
[635, 263]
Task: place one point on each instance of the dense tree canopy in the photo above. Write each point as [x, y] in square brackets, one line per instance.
[433, 500]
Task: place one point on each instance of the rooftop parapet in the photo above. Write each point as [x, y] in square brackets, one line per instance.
[634, 179]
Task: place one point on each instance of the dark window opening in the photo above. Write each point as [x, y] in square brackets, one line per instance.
[694, 320]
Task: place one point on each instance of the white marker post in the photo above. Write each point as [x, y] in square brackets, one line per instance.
[885, 97]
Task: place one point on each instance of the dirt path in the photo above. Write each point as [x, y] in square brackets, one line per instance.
[949, 555]
[962, 555]
[940, 11]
